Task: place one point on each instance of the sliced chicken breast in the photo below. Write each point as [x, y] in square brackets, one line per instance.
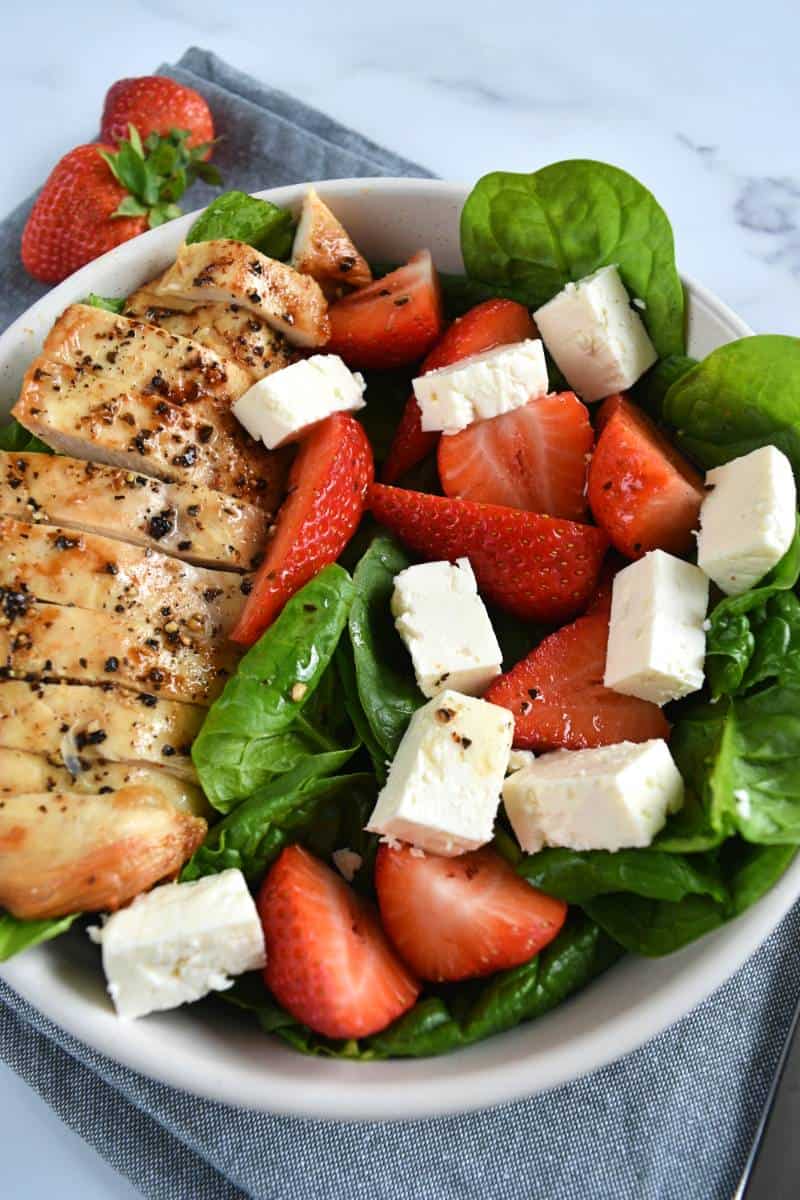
[128, 394]
[232, 332]
[48, 642]
[71, 567]
[23, 772]
[62, 852]
[79, 726]
[182, 519]
[323, 249]
[233, 273]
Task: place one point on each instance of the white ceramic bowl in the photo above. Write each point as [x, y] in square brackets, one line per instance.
[213, 1053]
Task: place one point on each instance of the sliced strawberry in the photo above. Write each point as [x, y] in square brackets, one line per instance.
[460, 918]
[557, 695]
[393, 321]
[327, 490]
[493, 323]
[607, 409]
[533, 458]
[328, 961]
[540, 568]
[641, 489]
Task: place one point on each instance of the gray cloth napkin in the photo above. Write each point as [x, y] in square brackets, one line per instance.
[670, 1122]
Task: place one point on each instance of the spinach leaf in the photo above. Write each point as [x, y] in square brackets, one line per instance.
[386, 686]
[244, 218]
[655, 927]
[388, 392]
[516, 637]
[753, 870]
[650, 391]
[17, 935]
[742, 396]
[257, 728]
[528, 235]
[755, 636]
[254, 833]
[460, 1014]
[346, 674]
[15, 437]
[578, 876]
[109, 304]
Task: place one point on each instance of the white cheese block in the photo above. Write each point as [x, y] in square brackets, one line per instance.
[279, 407]
[482, 386]
[179, 942]
[519, 759]
[446, 628]
[747, 521]
[656, 639]
[444, 784]
[602, 799]
[597, 339]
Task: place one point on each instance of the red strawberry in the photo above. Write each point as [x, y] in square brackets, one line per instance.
[328, 961]
[540, 568]
[460, 918]
[557, 695]
[493, 323]
[641, 489]
[71, 222]
[155, 104]
[327, 491]
[392, 321]
[533, 458]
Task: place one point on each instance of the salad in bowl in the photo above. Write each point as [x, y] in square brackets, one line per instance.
[389, 652]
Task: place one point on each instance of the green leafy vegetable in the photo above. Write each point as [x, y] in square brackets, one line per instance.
[742, 396]
[15, 437]
[16, 935]
[156, 173]
[388, 392]
[346, 674]
[244, 218]
[651, 390]
[257, 729]
[109, 304]
[578, 876]
[386, 686]
[527, 236]
[655, 927]
[753, 870]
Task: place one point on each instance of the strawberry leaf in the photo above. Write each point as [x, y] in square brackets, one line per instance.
[155, 173]
[130, 207]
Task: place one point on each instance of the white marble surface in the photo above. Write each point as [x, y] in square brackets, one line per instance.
[700, 100]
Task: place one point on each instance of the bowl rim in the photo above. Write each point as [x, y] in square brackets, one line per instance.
[333, 1093]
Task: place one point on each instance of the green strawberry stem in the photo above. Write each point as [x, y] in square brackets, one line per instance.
[157, 172]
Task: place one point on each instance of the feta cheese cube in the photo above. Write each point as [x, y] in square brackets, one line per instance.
[179, 942]
[482, 386]
[444, 784]
[656, 636]
[601, 799]
[597, 339]
[278, 408]
[446, 628]
[748, 520]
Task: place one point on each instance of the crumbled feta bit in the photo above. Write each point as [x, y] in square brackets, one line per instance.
[446, 628]
[179, 942]
[601, 799]
[347, 863]
[518, 759]
[482, 386]
[743, 805]
[748, 520]
[278, 408]
[594, 335]
[656, 638]
[444, 784]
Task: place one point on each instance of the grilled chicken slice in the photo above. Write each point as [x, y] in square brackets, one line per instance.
[46, 641]
[132, 395]
[229, 330]
[182, 519]
[323, 249]
[78, 726]
[63, 852]
[23, 772]
[233, 273]
[101, 574]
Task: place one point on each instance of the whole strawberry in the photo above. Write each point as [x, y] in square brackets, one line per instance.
[155, 104]
[72, 220]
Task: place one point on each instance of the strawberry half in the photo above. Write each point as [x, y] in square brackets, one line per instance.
[642, 491]
[328, 961]
[539, 568]
[533, 458]
[327, 491]
[557, 695]
[493, 323]
[464, 917]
